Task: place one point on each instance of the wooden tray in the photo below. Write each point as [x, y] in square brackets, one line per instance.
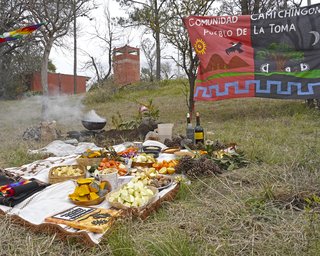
[55, 179]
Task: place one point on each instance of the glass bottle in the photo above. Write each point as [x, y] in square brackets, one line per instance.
[189, 129]
[198, 131]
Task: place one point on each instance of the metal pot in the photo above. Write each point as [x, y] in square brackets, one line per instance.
[90, 125]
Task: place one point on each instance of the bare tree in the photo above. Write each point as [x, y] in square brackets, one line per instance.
[176, 34]
[57, 15]
[166, 70]
[245, 7]
[148, 49]
[107, 32]
[152, 15]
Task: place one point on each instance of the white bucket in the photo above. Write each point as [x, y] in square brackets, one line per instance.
[165, 131]
[112, 178]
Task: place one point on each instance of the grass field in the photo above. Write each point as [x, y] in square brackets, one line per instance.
[268, 208]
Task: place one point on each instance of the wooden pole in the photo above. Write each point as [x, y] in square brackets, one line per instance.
[74, 48]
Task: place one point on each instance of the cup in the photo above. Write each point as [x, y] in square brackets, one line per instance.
[112, 178]
[165, 131]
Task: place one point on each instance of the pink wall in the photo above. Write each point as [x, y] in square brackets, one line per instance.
[59, 83]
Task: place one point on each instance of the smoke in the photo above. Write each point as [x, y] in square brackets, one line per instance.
[92, 116]
[64, 109]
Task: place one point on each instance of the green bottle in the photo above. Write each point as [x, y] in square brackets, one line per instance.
[198, 131]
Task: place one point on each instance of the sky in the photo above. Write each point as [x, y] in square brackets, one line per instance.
[63, 58]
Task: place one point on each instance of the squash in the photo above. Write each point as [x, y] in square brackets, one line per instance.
[93, 196]
[83, 190]
[84, 181]
[102, 185]
[82, 198]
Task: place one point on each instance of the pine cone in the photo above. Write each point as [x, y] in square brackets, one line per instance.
[169, 143]
[211, 167]
[203, 167]
[185, 164]
[177, 141]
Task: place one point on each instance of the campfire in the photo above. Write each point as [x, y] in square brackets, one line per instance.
[93, 131]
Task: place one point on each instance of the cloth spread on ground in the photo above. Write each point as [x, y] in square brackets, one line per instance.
[53, 199]
[60, 148]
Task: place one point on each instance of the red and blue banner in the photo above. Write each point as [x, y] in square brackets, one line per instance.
[272, 55]
[19, 33]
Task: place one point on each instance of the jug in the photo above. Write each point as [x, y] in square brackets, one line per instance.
[165, 131]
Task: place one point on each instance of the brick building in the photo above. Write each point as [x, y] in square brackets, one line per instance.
[59, 83]
[126, 65]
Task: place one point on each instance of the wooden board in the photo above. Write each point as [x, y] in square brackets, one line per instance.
[97, 220]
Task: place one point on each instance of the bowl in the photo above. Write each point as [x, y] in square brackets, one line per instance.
[91, 125]
[89, 202]
[153, 150]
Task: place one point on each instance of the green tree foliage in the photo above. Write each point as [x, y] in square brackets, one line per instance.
[18, 58]
[51, 67]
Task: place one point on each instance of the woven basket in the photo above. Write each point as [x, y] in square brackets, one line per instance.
[85, 161]
[136, 164]
[121, 206]
[55, 179]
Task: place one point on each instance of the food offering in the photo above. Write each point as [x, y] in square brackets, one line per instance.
[134, 194]
[144, 160]
[89, 192]
[97, 220]
[92, 157]
[166, 167]
[65, 172]
[108, 166]
[150, 177]
[128, 152]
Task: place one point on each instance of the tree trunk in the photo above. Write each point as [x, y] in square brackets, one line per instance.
[158, 43]
[192, 80]
[158, 53]
[244, 7]
[44, 81]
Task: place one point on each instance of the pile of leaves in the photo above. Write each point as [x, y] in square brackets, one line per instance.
[229, 160]
[217, 157]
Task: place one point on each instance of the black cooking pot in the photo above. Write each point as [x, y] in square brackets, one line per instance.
[90, 125]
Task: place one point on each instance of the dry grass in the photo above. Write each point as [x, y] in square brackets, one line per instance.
[258, 210]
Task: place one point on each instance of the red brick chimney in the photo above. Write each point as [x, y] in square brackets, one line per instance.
[126, 65]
